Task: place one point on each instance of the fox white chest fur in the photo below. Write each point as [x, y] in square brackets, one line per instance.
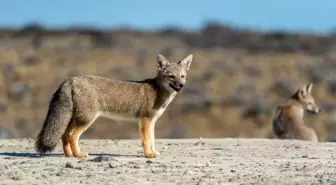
[164, 106]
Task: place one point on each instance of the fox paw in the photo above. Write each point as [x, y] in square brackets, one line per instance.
[152, 154]
[156, 153]
[69, 155]
[82, 155]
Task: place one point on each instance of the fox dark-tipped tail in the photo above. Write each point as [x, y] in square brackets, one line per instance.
[58, 117]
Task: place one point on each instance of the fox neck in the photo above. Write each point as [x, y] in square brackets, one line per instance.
[159, 86]
[295, 101]
[163, 96]
[295, 98]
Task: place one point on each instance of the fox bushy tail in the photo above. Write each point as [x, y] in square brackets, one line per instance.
[58, 117]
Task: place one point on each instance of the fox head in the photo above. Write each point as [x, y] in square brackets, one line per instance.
[305, 97]
[172, 76]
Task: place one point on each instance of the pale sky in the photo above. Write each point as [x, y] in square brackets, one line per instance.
[297, 15]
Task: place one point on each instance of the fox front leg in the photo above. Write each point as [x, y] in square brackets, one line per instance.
[146, 136]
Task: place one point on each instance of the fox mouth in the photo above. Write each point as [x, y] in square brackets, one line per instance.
[313, 111]
[175, 88]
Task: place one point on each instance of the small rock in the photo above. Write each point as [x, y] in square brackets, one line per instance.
[149, 161]
[188, 172]
[305, 156]
[103, 158]
[199, 143]
[15, 175]
[233, 171]
[69, 165]
[114, 164]
[82, 161]
[60, 173]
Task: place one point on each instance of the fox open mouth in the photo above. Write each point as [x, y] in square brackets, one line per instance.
[313, 111]
[175, 88]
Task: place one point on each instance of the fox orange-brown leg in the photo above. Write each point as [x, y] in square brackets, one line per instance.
[145, 134]
[152, 138]
[66, 144]
[66, 141]
[76, 132]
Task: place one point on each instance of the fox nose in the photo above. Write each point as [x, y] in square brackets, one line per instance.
[180, 85]
[316, 111]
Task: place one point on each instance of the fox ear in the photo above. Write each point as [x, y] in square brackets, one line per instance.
[186, 62]
[303, 91]
[162, 62]
[309, 87]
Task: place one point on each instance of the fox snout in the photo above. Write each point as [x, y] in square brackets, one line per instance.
[177, 87]
[313, 109]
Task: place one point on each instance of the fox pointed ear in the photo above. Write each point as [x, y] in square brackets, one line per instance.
[303, 91]
[186, 62]
[309, 87]
[162, 62]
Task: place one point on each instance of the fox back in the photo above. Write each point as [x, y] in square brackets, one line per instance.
[288, 120]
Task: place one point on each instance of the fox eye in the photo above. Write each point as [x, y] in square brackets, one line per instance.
[171, 76]
[183, 76]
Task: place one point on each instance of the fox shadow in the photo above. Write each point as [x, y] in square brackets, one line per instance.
[36, 155]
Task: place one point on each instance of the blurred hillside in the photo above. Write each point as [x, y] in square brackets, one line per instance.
[236, 80]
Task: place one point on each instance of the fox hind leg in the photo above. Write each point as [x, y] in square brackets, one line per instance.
[66, 141]
[75, 131]
[66, 145]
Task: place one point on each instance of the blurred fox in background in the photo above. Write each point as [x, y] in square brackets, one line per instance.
[288, 121]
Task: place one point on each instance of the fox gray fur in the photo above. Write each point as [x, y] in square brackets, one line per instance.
[80, 100]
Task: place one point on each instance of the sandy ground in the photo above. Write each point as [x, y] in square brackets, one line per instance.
[192, 161]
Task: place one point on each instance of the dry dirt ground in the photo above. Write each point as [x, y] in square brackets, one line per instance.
[182, 161]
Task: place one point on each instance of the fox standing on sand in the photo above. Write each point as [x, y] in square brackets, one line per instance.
[288, 121]
[80, 100]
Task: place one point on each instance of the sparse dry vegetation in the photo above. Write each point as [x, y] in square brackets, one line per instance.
[237, 78]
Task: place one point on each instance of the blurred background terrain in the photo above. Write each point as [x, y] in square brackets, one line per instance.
[238, 76]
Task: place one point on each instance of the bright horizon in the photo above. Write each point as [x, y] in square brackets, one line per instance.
[264, 15]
